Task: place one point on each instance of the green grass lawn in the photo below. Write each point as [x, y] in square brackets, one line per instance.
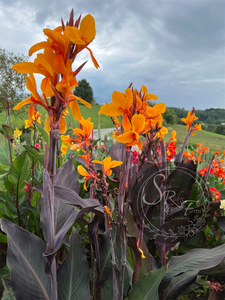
[207, 139]
[212, 140]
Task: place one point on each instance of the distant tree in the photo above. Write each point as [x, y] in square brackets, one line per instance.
[84, 90]
[211, 127]
[169, 116]
[12, 84]
[220, 129]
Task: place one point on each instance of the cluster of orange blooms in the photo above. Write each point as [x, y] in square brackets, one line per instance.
[55, 64]
[136, 116]
[197, 155]
[217, 169]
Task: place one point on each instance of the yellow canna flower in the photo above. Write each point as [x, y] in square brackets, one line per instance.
[142, 253]
[81, 170]
[107, 165]
[63, 149]
[174, 135]
[17, 133]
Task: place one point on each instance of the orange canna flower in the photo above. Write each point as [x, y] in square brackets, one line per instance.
[121, 104]
[190, 118]
[132, 131]
[84, 36]
[107, 165]
[81, 170]
[161, 133]
[195, 128]
[86, 130]
[86, 157]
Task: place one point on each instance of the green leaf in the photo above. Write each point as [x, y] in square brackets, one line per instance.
[3, 175]
[146, 288]
[26, 264]
[8, 292]
[4, 153]
[35, 153]
[38, 172]
[73, 275]
[4, 272]
[43, 132]
[20, 172]
[3, 238]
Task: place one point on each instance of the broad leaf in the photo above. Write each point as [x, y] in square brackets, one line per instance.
[26, 264]
[4, 153]
[8, 292]
[146, 288]
[215, 271]
[20, 171]
[179, 284]
[146, 192]
[73, 274]
[34, 152]
[221, 222]
[195, 260]
[66, 176]
[117, 152]
[179, 184]
[43, 132]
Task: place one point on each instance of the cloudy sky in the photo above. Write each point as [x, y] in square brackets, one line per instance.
[176, 48]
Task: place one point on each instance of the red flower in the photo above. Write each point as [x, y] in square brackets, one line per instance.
[37, 145]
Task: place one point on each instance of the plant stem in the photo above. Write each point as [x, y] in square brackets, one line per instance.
[116, 295]
[162, 203]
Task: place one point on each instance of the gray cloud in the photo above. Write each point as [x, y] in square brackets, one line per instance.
[174, 47]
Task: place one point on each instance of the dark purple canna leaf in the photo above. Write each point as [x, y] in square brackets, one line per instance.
[66, 176]
[146, 192]
[117, 152]
[25, 261]
[195, 260]
[73, 274]
[179, 184]
[179, 284]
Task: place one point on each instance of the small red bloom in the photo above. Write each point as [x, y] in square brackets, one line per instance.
[37, 145]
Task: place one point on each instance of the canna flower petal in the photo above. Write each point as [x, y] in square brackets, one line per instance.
[87, 28]
[77, 146]
[63, 149]
[39, 46]
[110, 110]
[66, 139]
[26, 67]
[59, 65]
[83, 102]
[46, 87]
[93, 58]
[47, 127]
[74, 35]
[146, 95]
[75, 110]
[126, 123]
[97, 162]
[161, 107]
[22, 103]
[138, 123]
[62, 124]
[128, 137]
[81, 170]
